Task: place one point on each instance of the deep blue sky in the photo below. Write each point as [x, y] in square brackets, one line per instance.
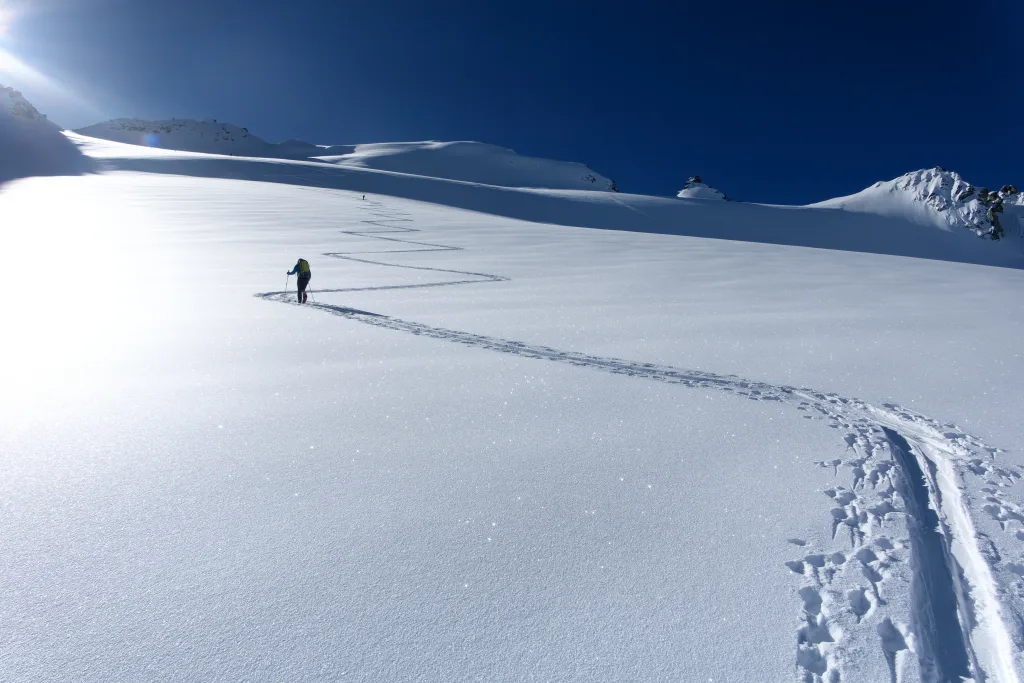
[786, 102]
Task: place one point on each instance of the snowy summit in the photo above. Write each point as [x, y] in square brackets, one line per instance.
[696, 189]
[935, 196]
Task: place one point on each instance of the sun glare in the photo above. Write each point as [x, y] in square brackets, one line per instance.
[15, 72]
[75, 313]
[6, 17]
[11, 65]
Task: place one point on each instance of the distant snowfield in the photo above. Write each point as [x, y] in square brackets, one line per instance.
[468, 161]
[827, 228]
[494, 449]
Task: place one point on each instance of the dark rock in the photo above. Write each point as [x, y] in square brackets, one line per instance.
[964, 194]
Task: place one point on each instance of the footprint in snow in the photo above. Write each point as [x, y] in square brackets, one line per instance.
[860, 604]
[841, 496]
[812, 600]
[893, 642]
[884, 543]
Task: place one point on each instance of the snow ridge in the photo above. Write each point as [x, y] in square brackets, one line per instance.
[31, 144]
[475, 162]
[696, 189]
[15, 104]
[935, 196]
[190, 135]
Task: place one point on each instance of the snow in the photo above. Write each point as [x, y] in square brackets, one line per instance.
[822, 228]
[191, 135]
[497, 444]
[31, 144]
[695, 189]
[13, 103]
[939, 198]
[469, 161]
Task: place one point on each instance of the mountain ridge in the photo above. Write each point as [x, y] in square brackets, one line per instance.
[33, 145]
[458, 160]
[939, 197]
[933, 197]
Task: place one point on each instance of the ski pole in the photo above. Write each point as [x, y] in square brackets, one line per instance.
[287, 279]
[311, 294]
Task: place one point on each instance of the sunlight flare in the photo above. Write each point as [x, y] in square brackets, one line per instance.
[14, 71]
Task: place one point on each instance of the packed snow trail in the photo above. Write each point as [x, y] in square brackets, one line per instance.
[387, 229]
[897, 452]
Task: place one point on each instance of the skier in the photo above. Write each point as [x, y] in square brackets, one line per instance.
[302, 268]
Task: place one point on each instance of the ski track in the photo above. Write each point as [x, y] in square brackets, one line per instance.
[906, 472]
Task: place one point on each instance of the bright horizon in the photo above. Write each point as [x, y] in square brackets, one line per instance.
[747, 98]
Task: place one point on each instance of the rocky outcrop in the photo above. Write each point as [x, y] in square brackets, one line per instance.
[940, 197]
[695, 188]
[976, 209]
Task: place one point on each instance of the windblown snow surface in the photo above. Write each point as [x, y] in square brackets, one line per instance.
[499, 444]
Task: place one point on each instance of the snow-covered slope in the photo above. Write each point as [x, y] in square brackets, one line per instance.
[498, 449]
[696, 189]
[469, 161]
[190, 135]
[31, 144]
[797, 226]
[495, 449]
[941, 198]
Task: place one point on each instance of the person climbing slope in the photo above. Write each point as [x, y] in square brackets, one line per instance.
[302, 268]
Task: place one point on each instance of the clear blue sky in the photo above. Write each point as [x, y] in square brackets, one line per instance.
[786, 102]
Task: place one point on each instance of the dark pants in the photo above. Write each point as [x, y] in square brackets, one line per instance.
[303, 282]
